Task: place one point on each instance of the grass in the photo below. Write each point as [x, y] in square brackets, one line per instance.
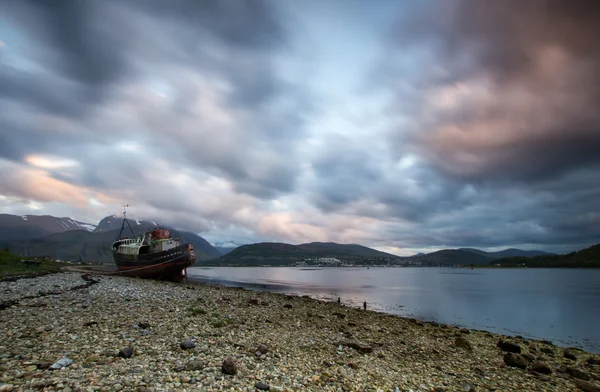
[216, 322]
[221, 323]
[196, 311]
[11, 265]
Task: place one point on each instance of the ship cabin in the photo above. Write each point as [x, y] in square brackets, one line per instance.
[153, 241]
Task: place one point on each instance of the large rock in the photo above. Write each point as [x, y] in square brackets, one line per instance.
[262, 348]
[541, 367]
[187, 345]
[127, 352]
[515, 360]
[577, 373]
[509, 346]
[569, 354]
[547, 350]
[360, 347]
[593, 361]
[229, 366]
[587, 386]
[463, 343]
[61, 363]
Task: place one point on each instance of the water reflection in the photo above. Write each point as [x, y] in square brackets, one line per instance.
[558, 305]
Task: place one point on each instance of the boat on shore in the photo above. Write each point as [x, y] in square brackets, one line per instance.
[155, 254]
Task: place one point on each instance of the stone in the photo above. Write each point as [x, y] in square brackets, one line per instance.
[541, 367]
[360, 347]
[593, 361]
[543, 377]
[547, 350]
[229, 367]
[195, 365]
[528, 357]
[577, 373]
[515, 360]
[463, 343]
[262, 386]
[587, 386]
[61, 363]
[262, 348]
[509, 346]
[570, 355]
[287, 306]
[43, 365]
[187, 345]
[126, 352]
[469, 388]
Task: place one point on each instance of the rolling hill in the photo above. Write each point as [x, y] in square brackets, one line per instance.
[468, 256]
[511, 252]
[343, 249]
[585, 258]
[281, 254]
[453, 257]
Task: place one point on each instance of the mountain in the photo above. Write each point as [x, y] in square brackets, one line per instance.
[476, 251]
[114, 222]
[343, 249]
[511, 252]
[518, 253]
[467, 256]
[316, 253]
[225, 247]
[22, 227]
[69, 245]
[453, 257]
[94, 247]
[69, 239]
[585, 258]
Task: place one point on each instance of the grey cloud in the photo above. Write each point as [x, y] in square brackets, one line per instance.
[80, 40]
[505, 42]
[90, 52]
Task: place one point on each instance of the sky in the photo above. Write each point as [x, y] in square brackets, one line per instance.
[405, 126]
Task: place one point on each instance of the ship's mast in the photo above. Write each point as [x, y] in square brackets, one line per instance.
[125, 221]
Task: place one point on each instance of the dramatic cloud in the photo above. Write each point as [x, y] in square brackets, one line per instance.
[406, 126]
[504, 91]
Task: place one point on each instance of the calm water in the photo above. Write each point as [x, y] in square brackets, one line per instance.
[562, 305]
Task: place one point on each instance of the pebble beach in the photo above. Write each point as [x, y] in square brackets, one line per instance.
[84, 332]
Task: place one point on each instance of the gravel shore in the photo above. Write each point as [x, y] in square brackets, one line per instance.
[79, 332]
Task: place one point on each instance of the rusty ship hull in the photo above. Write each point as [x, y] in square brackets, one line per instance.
[164, 265]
